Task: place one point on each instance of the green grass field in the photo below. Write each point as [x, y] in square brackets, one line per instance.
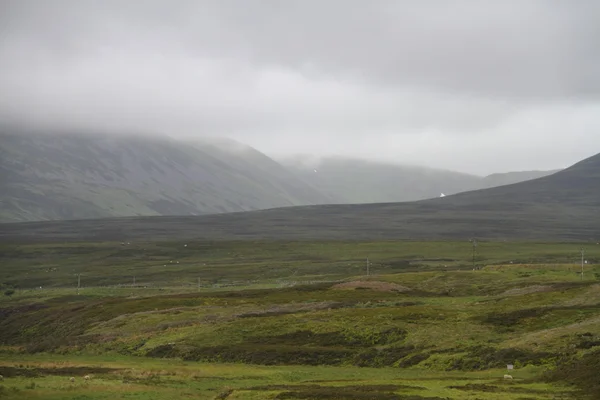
[299, 320]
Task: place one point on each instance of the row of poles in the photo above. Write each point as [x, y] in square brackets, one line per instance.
[79, 283]
[474, 242]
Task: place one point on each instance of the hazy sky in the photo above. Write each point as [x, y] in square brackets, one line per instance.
[475, 86]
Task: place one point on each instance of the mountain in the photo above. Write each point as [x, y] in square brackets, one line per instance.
[564, 206]
[49, 177]
[508, 178]
[350, 181]
[69, 176]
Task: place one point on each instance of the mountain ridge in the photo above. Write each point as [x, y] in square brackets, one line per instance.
[70, 177]
[560, 207]
[350, 181]
[80, 176]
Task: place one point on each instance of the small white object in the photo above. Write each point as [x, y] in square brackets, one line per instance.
[508, 377]
[442, 195]
[510, 366]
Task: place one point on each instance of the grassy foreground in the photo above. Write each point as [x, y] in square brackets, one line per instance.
[118, 377]
[299, 321]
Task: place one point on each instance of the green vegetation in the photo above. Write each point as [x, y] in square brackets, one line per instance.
[178, 264]
[299, 320]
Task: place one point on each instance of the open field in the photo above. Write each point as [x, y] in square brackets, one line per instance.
[118, 377]
[182, 263]
[299, 320]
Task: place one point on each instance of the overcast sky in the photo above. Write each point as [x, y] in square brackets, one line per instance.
[474, 86]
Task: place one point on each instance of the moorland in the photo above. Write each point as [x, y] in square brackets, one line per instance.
[299, 320]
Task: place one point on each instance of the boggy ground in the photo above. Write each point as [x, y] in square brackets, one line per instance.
[46, 376]
[424, 328]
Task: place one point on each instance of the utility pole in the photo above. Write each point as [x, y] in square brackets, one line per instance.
[474, 241]
[368, 267]
[582, 254]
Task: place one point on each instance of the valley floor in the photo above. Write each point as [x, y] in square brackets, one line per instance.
[118, 377]
[271, 320]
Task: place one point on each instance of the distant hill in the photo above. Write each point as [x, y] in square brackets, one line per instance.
[563, 206]
[509, 178]
[348, 180]
[50, 177]
[354, 181]
[62, 176]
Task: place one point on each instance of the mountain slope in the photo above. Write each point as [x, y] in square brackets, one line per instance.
[348, 180]
[46, 177]
[562, 206]
[509, 178]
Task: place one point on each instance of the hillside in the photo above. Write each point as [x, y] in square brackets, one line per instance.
[353, 181]
[49, 177]
[59, 176]
[508, 178]
[562, 206]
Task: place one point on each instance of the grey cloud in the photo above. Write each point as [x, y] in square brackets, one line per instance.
[458, 84]
[536, 48]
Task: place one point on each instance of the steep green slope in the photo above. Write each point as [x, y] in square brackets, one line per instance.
[49, 177]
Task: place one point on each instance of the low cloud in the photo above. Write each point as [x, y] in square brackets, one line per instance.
[460, 84]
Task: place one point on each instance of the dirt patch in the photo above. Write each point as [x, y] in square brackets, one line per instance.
[527, 290]
[372, 285]
[282, 309]
[482, 387]
[356, 392]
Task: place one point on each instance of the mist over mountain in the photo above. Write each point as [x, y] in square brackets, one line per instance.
[49, 177]
[59, 176]
[351, 180]
[560, 207]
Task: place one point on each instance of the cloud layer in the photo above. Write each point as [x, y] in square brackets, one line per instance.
[473, 86]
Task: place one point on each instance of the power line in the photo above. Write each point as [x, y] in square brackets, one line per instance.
[582, 255]
[474, 241]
